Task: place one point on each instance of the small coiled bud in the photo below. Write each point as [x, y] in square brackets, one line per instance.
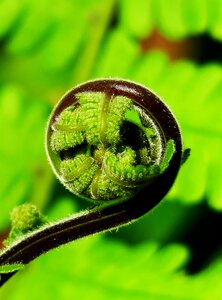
[24, 219]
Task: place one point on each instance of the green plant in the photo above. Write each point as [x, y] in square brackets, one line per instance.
[172, 47]
[107, 140]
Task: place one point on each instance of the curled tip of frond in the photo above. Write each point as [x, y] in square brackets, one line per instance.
[107, 145]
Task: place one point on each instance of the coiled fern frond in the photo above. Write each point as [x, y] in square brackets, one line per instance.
[103, 146]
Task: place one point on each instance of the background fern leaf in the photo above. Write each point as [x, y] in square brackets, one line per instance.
[189, 18]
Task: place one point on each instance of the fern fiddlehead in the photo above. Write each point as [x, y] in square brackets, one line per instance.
[130, 145]
[113, 142]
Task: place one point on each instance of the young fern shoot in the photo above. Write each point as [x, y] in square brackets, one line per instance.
[106, 146]
[114, 143]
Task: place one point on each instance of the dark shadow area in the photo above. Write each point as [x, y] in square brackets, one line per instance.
[200, 48]
[208, 49]
[204, 239]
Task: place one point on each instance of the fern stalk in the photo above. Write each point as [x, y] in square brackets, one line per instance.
[116, 211]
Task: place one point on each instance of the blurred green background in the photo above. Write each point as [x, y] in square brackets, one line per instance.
[174, 48]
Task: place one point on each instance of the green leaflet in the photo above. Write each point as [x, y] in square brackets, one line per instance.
[104, 187]
[67, 130]
[121, 168]
[78, 173]
[169, 151]
[94, 111]
[102, 117]
[10, 268]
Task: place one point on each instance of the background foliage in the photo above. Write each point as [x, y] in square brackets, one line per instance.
[47, 47]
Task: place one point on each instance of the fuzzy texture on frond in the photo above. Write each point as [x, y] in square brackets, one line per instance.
[106, 132]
